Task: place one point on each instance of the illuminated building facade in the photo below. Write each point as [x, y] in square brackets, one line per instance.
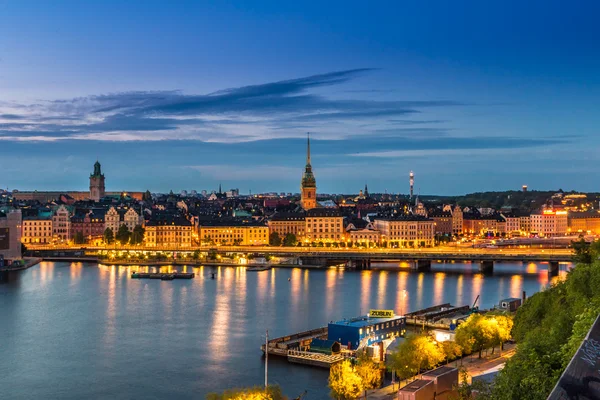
[168, 230]
[61, 224]
[584, 222]
[226, 233]
[36, 230]
[284, 223]
[407, 231]
[549, 223]
[324, 224]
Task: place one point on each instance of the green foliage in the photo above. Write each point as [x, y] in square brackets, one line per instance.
[369, 372]
[549, 327]
[254, 393]
[108, 236]
[274, 239]
[123, 234]
[344, 382]
[79, 238]
[137, 236]
[416, 353]
[475, 334]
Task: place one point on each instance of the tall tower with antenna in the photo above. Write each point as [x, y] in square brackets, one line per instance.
[411, 179]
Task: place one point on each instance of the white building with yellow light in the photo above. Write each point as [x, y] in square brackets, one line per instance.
[407, 230]
[549, 223]
[168, 231]
[36, 230]
[232, 233]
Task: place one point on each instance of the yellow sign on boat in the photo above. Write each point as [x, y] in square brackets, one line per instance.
[381, 313]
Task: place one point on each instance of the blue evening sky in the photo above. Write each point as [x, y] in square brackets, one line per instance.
[470, 95]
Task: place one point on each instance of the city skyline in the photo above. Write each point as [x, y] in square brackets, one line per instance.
[467, 109]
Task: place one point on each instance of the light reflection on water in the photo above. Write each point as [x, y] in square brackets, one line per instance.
[84, 331]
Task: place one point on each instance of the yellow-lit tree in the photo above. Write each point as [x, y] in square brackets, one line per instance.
[415, 353]
[344, 382]
[254, 393]
[451, 350]
[369, 373]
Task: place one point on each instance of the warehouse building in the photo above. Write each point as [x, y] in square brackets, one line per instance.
[373, 328]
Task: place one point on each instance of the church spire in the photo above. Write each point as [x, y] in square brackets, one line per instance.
[307, 148]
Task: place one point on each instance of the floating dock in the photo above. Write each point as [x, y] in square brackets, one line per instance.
[314, 359]
[299, 341]
[259, 268]
[439, 316]
[165, 276]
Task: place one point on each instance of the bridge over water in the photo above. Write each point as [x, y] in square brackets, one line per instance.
[418, 259]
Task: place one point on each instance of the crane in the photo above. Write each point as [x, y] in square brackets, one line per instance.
[474, 308]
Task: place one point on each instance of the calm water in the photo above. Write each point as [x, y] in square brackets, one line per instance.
[73, 331]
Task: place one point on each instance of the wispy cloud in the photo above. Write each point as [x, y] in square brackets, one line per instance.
[273, 110]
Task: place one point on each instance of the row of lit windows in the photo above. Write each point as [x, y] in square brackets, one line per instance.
[378, 327]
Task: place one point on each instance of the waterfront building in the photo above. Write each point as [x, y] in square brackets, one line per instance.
[457, 220]
[97, 190]
[288, 222]
[324, 225]
[442, 221]
[549, 223]
[90, 224]
[61, 224]
[37, 229]
[513, 224]
[477, 224]
[364, 331]
[115, 217]
[308, 186]
[168, 230]
[234, 233]
[10, 234]
[407, 230]
[584, 222]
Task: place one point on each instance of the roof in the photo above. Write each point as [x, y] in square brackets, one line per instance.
[416, 385]
[289, 216]
[508, 300]
[403, 217]
[166, 219]
[231, 222]
[439, 371]
[322, 343]
[323, 212]
[364, 321]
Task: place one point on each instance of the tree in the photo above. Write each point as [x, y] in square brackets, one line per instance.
[79, 238]
[123, 234]
[475, 334]
[108, 236]
[290, 240]
[137, 236]
[369, 372]
[583, 253]
[415, 353]
[274, 239]
[451, 350]
[254, 393]
[344, 382]
[207, 240]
